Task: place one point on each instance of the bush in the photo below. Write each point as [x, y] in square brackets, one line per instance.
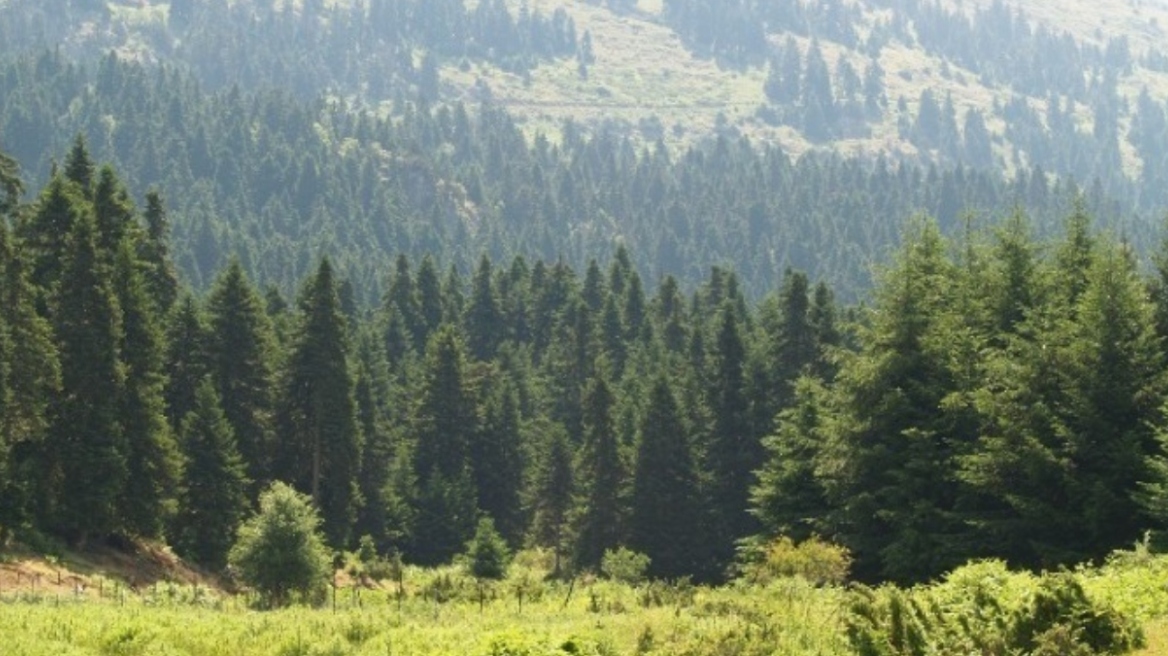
[487, 553]
[624, 565]
[815, 560]
[983, 608]
[279, 551]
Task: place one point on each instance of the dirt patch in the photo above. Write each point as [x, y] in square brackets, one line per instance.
[134, 567]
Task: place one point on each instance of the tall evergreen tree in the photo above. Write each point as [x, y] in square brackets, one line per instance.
[152, 456]
[30, 377]
[213, 494]
[187, 358]
[554, 487]
[733, 452]
[889, 460]
[668, 517]
[496, 456]
[442, 428]
[600, 514]
[320, 440]
[241, 361]
[154, 251]
[484, 319]
[84, 459]
[79, 166]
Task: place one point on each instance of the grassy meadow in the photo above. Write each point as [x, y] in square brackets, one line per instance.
[445, 611]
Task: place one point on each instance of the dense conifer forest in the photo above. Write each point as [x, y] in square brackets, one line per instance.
[1000, 396]
[248, 242]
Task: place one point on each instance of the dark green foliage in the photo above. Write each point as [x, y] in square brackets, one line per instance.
[241, 362]
[187, 359]
[213, 494]
[487, 553]
[601, 513]
[734, 451]
[552, 495]
[443, 425]
[320, 440]
[84, 458]
[279, 551]
[153, 459]
[668, 522]
[497, 458]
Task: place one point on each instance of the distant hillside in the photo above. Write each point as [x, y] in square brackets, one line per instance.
[283, 130]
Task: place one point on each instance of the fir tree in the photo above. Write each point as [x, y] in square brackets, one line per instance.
[213, 498]
[552, 495]
[154, 251]
[497, 460]
[600, 515]
[241, 355]
[84, 459]
[152, 457]
[321, 441]
[187, 358]
[733, 452]
[442, 428]
[668, 518]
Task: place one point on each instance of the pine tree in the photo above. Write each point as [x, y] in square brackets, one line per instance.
[888, 457]
[552, 495]
[789, 498]
[84, 459]
[484, 319]
[442, 428]
[30, 377]
[600, 514]
[79, 167]
[320, 440]
[213, 494]
[370, 393]
[114, 212]
[152, 456]
[668, 518]
[497, 460]
[241, 355]
[46, 232]
[187, 358]
[154, 251]
[733, 452]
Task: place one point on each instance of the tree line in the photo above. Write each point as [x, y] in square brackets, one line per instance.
[275, 181]
[580, 414]
[1000, 396]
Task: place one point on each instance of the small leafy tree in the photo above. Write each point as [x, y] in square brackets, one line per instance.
[487, 553]
[624, 565]
[279, 550]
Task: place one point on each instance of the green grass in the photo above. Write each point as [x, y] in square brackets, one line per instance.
[788, 617]
[445, 612]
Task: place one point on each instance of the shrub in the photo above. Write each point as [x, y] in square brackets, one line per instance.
[279, 551]
[982, 608]
[624, 565]
[487, 553]
[818, 561]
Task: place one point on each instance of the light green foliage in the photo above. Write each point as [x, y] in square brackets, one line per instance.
[984, 608]
[279, 551]
[624, 565]
[814, 560]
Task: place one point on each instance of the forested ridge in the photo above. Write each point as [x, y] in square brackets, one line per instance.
[276, 182]
[1001, 396]
[286, 130]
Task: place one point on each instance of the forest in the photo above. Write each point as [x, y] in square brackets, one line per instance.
[1001, 396]
[874, 366]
